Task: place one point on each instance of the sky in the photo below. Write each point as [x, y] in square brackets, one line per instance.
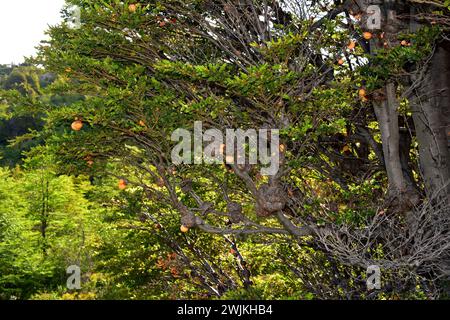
[22, 26]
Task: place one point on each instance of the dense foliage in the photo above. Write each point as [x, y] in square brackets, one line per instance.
[88, 178]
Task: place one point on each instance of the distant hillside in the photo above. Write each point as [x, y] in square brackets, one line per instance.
[27, 80]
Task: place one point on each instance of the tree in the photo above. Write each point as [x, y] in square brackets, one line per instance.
[42, 231]
[149, 71]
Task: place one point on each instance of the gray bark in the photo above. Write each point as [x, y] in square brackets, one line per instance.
[431, 114]
[387, 117]
[402, 192]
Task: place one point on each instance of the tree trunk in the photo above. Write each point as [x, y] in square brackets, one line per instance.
[431, 114]
[402, 194]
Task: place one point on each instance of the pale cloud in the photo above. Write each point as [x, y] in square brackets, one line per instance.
[22, 26]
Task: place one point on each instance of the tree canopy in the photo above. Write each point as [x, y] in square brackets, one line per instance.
[363, 117]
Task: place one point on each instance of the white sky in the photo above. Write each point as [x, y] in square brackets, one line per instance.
[22, 26]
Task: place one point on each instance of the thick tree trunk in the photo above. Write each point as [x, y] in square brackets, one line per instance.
[431, 114]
